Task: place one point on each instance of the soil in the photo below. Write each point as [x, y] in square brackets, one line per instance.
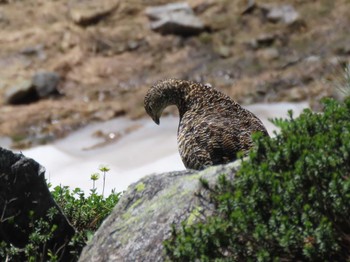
[107, 63]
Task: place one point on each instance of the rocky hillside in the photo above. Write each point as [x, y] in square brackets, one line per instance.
[66, 63]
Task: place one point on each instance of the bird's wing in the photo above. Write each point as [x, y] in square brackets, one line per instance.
[222, 140]
[218, 139]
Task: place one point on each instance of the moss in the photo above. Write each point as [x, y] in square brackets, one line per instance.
[136, 203]
[192, 218]
[140, 187]
[194, 176]
[126, 216]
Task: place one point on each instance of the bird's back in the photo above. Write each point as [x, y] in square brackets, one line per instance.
[214, 132]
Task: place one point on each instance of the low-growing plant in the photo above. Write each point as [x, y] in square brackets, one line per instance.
[36, 249]
[85, 213]
[289, 201]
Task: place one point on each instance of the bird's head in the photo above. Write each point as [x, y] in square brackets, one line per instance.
[162, 94]
[154, 104]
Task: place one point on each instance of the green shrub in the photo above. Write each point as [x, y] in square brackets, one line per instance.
[290, 201]
[41, 234]
[85, 213]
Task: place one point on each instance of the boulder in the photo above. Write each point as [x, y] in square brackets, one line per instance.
[174, 18]
[24, 198]
[142, 219]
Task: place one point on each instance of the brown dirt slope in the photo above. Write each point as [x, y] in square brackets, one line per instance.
[107, 57]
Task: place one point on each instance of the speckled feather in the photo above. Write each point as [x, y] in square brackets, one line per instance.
[212, 129]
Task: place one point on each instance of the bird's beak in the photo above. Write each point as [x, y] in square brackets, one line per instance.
[156, 120]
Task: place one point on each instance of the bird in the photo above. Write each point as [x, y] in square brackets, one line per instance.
[212, 129]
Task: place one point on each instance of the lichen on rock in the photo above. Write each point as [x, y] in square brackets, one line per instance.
[143, 218]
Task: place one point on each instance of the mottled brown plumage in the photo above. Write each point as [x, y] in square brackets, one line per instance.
[212, 129]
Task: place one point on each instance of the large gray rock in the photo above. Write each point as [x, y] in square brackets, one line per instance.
[142, 219]
[23, 191]
[175, 18]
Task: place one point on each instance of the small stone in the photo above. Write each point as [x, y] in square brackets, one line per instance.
[133, 45]
[312, 59]
[31, 50]
[283, 13]
[296, 94]
[157, 12]
[343, 50]
[175, 18]
[224, 51]
[268, 54]
[263, 40]
[89, 13]
[251, 5]
[104, 115]
[46, 83]
[37, 50]
[338, 60]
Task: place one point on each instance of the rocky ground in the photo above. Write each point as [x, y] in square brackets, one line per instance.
[64, 64]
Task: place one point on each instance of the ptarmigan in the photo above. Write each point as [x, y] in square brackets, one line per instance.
[212, 129]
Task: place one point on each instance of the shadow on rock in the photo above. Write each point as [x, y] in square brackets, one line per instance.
[25, 199]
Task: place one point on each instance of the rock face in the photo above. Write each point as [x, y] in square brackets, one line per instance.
[142, 219]
[175, 18]
[23, 191]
